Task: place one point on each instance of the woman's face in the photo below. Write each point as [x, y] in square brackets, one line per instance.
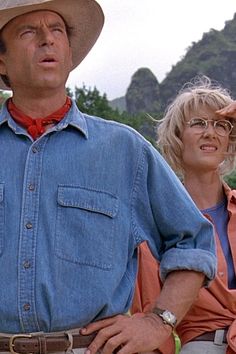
[203, 148]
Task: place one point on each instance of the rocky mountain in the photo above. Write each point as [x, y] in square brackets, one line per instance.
[143, 93]
[214, 55]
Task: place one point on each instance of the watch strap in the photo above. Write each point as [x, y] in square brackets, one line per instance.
[167, 316]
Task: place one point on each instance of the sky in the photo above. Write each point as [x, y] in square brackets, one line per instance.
[153, 33]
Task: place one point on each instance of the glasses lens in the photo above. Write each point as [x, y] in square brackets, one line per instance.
[223, 127]
[198, 124]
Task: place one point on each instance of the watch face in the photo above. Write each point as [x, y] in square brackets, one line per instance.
[169, 317]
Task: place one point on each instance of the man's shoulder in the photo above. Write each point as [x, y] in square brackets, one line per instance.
[114, 128]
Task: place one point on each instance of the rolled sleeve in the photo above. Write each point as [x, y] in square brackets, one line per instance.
[194, 259]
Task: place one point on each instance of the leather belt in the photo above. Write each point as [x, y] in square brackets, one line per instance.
[210, 337]
[42, 343]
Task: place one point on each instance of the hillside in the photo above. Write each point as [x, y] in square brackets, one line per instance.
[214, 55]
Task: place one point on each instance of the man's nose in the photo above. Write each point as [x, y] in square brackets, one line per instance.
[46, 37]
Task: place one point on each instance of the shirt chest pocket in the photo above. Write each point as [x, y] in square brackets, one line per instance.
[85, 226]
[2, 217]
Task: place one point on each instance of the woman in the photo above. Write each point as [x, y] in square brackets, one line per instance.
[198, 139]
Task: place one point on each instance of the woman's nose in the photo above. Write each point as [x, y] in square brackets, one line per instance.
[210, 129]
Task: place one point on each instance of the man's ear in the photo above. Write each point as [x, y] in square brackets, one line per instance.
[3, 69]
[71, 60]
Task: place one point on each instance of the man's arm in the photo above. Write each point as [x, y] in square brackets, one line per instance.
[127, 335]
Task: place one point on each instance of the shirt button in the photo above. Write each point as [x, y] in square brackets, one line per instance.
[31, 187]
[29, 225]
[26, 307]
[221, 274]
[35, 149]
[26, 264]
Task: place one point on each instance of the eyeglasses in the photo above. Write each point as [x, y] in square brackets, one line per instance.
[222, 127]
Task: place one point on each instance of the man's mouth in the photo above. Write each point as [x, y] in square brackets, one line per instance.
[48, 59]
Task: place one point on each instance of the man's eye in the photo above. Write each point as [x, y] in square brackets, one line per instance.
[58, 30]
[27, 33]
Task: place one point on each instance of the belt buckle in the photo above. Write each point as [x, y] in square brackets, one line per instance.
[12, 339]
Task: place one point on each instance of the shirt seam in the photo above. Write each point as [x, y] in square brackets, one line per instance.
[138, 176]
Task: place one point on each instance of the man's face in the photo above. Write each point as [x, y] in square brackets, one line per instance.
[38, 54]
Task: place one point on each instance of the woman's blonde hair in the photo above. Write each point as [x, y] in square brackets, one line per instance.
[199, 93]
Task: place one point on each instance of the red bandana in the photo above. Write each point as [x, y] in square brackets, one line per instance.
[36, 127]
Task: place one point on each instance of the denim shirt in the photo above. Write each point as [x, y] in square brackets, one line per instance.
[74, 205]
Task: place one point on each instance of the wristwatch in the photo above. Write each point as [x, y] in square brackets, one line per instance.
[166, 316]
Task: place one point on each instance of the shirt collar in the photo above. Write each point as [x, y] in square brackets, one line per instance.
[74, 118]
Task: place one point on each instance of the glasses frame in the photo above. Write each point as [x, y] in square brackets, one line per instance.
[206, 124]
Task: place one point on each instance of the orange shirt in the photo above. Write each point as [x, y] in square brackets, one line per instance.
[215, 306]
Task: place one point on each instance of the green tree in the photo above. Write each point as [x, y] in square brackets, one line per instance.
[3, 97]
[90, 101]
[231, 180]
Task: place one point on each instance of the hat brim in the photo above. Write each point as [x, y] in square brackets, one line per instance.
[85, 17]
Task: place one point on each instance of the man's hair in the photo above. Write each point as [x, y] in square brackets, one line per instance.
[199, 94]
[3, 48]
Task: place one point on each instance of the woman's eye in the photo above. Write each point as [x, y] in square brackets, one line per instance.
[223, 125]
[197, 123]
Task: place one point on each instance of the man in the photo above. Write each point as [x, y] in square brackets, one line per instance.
[78, 194]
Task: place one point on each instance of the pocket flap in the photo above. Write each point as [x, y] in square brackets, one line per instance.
[88, 199]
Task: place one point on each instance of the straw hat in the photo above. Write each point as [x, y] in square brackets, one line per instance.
[84, 16]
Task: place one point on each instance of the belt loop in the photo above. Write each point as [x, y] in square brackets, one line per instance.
[70, 338]
[219, 337]
[42, 344]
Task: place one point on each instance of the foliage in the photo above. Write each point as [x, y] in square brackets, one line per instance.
[3, 97]
[231, 180]
[91, 102]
